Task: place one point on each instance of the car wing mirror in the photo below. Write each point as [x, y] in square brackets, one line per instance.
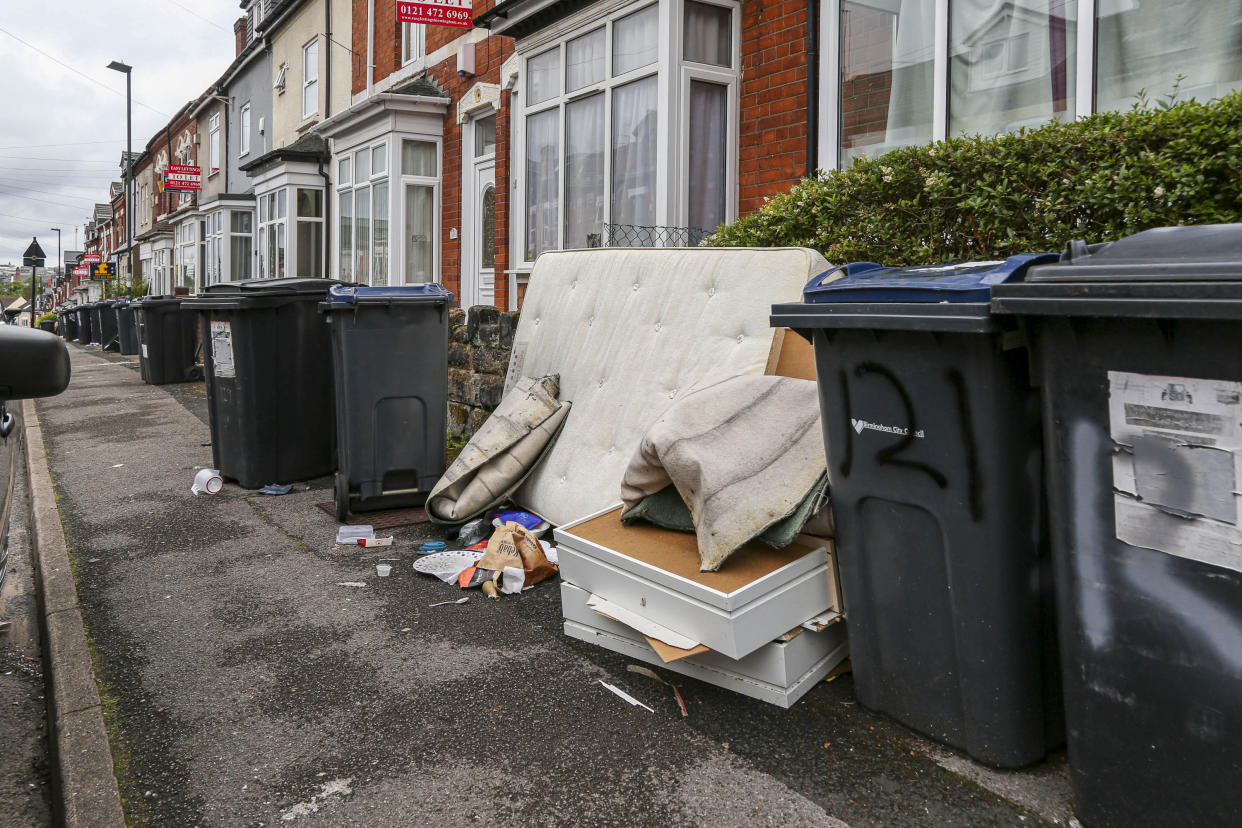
[33, 363]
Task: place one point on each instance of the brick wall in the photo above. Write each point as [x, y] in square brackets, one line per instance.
[773, 100]
[866, 78]
[478, 357]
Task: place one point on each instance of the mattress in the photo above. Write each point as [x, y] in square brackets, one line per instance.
[629, 330]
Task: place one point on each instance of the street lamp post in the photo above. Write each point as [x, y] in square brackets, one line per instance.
[60, 262]
[117, 66]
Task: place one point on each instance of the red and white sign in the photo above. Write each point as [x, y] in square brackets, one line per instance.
[80, 271]
[91, 258]
[182, 177]
[437, 13]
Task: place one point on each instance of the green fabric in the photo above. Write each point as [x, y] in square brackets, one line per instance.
[667, 510]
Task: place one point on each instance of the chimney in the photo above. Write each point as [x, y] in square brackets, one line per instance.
[239, 33]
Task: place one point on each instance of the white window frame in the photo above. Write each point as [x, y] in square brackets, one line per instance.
[672, 105]
[243, 122]
[829, 149]
[396, 181]
[185, 249]
[310, 85]
[213, 144]
[413, 42]
[265, 225]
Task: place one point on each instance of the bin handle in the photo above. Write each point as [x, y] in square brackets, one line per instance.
[852, 269]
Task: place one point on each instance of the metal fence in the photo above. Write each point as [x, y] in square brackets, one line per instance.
[637, 235]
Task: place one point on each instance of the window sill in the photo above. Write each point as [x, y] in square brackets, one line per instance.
[308, 122]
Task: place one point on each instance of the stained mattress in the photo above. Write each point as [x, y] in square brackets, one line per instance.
[629, 331]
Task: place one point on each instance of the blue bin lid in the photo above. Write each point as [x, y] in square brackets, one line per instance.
[966, 282]
[351, 295]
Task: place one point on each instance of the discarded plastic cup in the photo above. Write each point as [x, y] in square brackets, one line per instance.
[383, 570]
[207, 480]
[350, 535]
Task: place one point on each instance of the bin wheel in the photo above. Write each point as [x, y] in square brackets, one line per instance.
[340, 497]
[194, 373]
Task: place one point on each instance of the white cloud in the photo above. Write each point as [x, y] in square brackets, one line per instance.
[175, 56]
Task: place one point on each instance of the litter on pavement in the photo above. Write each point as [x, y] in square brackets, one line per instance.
[276, 489]
[350, 535]
[207, 480]
[370, 542]
[624, 695]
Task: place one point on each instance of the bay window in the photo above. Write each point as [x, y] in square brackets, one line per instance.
[228, 245]
[375, 194]
[904, 72]
[597, 111]
[184, 252]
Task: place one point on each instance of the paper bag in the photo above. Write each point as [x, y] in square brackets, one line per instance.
[512, 545]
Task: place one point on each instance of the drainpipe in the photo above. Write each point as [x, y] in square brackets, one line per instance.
[326, 236]
[371, 45]
[327, 49]
[228, 103]
[812, 86]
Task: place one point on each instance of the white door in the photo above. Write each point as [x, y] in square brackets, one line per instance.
[478, 273]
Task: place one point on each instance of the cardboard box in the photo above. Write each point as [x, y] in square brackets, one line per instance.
[758, 594]
[780, 672]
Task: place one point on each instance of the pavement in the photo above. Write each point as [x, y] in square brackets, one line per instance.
[245, 682]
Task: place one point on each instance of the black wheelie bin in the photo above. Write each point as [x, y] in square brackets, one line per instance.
[126, 327]
[932, 434]
[268, 360]
[69, 323]
[85, 324]
[103, 324]
[390, 364]
[1138, 347]
[167, 340]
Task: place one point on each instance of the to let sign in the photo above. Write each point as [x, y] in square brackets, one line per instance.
[81, 271]
[436, 13]
[182, 177]
[92, 258]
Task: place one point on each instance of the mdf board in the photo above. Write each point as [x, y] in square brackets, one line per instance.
[780, 672]
[758, 594]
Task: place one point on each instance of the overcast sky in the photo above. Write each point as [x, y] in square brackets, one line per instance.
[62, 134]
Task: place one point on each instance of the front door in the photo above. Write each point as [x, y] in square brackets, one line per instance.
[478, 275]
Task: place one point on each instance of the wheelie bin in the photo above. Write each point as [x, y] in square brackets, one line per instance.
[268, 360]
[1136, 348]
[127, 327]
[167, 340]
[931, 429]
[86, 325]
[69, 323]
[103, 324]
[390, 365]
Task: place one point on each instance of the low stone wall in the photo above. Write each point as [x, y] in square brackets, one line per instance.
[478, 357]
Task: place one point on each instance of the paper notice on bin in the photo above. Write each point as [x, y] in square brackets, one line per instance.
[1177, 460]
[222, 349]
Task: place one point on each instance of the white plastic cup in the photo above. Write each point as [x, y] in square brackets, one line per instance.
[383, 570]
[207, 480]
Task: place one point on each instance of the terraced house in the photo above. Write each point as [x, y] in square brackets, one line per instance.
[344, 142]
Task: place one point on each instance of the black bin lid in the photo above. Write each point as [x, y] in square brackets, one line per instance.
[1192, 272]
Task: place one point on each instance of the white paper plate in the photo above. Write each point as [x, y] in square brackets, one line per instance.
[447, 561]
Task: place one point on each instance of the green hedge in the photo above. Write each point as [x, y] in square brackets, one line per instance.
[1101, 178]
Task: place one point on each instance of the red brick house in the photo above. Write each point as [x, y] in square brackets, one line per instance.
[571, 125]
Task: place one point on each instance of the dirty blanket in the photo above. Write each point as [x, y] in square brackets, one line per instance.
[501, 453]
[744, 454]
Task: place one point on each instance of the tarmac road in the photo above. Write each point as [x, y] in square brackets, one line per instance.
[249, 687]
